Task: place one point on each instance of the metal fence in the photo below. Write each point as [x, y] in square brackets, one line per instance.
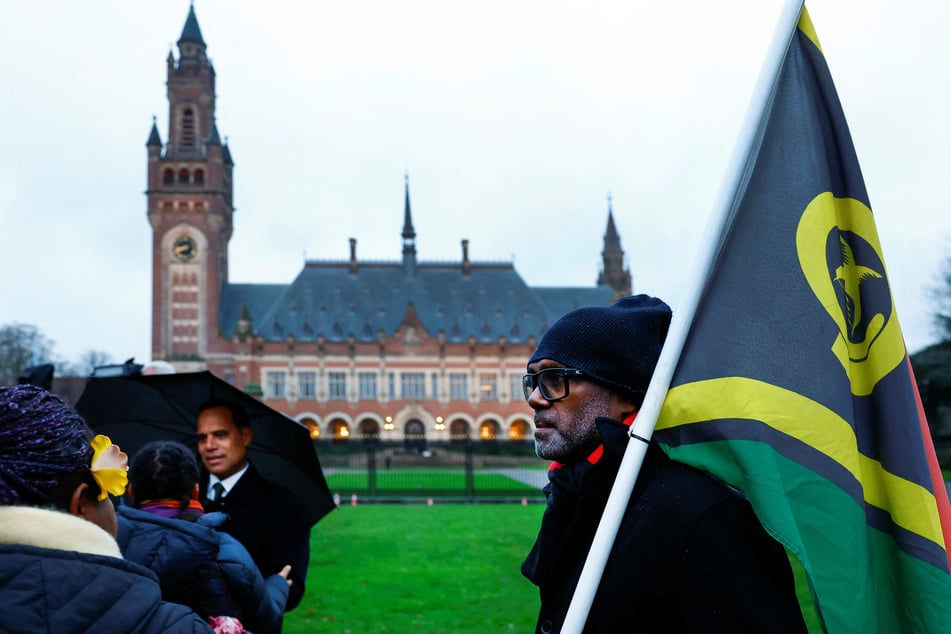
[416, 468]
[460, 470]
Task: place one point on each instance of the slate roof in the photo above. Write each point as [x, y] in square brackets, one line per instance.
[191, 32]
[154, 138]
[327, 299]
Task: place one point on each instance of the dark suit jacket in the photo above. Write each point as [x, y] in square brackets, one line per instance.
[271, 523]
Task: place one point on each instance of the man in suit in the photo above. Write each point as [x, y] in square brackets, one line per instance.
[266, 518]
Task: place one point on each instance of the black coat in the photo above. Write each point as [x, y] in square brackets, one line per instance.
[271, 523]
[690, 555]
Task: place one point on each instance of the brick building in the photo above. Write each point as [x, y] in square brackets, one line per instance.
[353, 347]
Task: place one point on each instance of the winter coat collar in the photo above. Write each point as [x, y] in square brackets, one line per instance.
[54, 529]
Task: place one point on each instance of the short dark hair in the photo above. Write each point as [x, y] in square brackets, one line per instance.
[238, 415]
[163, 470]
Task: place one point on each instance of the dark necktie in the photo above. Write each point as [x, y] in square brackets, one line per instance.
[219, 491]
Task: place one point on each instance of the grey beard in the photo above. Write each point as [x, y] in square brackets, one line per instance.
[582, 437]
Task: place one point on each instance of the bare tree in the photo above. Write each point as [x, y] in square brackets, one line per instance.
[21, 346]
[941, 296]
[90, 360]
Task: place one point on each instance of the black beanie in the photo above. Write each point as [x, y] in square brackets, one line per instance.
[616, 345]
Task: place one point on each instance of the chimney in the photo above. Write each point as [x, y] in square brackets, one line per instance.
[466, 268]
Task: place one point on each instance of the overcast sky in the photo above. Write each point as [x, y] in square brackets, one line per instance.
[513, 120]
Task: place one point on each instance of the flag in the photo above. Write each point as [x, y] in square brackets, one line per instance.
[793, 384]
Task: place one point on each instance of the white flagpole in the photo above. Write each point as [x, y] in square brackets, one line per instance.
[643, 427]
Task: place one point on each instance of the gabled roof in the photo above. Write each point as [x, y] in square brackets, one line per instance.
[326, 300]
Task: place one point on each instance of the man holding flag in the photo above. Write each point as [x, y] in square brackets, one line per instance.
[785, 373]
[691, 555]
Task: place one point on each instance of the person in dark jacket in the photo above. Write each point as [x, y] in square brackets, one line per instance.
[169, 532]
[690, 554]
[60, 566]
[266, 518]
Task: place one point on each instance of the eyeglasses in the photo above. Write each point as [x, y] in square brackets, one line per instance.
[551, 382]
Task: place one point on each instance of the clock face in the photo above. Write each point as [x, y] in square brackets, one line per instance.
[185, 248]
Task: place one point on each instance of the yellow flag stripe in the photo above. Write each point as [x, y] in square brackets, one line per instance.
[910, 505]
[805, 25]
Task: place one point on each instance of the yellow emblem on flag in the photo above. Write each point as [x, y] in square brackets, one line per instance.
[869, 344]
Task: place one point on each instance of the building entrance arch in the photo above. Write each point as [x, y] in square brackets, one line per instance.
[415, 435]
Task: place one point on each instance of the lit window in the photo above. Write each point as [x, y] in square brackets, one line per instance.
[341, 431]
[519, 430]
[488, 387]
[489, 430]
[312, 427]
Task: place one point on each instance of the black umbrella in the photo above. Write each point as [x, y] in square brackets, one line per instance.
[134, 410]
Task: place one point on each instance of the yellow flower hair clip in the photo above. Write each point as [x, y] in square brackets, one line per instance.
[109, 467]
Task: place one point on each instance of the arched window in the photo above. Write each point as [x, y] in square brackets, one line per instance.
[369, 430]
[341, 430]
[199, 177]
[168, 176]
[188, 129]
[519, 430]
[458, 430]
[183, 176]
[489, 430]
[312, 427]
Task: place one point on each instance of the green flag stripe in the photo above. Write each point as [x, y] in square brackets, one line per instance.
[817, 462]
[911, 505]
[876, 586]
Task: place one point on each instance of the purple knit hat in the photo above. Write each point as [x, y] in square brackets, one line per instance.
[616, 345]
[42, 441]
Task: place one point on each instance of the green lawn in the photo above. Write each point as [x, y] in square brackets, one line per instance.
[446, 568]
[427, 481]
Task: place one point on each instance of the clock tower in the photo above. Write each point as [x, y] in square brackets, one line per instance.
[190, 209]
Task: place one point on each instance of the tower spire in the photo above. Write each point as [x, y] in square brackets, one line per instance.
[191, 32]
[611, 239]
[154, 138]
[409, 234]
[613, 273]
